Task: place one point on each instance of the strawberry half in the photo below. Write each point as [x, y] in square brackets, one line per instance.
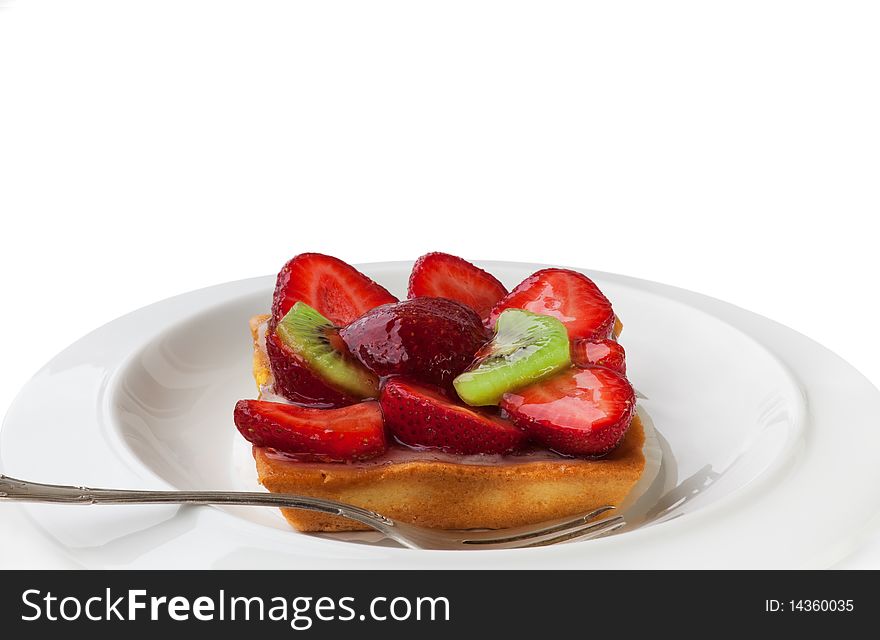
[601, 353]
[567, 295]
[441, 275]
[419, 416]
[580, 412]
[294, 380]
[335, 289]
[350, 433]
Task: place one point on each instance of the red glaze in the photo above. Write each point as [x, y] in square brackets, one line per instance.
[335, 289]
[441, 275]
[601, 353]
[350, 433]
[580, 412]
[419, 416]
[297, 382]
[569, 296]
[430, 340]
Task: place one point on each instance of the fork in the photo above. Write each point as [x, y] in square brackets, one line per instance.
[583, 527]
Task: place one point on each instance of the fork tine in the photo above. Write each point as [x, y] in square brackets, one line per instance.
[594, 530]
[493, 537]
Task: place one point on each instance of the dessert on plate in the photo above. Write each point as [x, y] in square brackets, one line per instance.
[463, 406]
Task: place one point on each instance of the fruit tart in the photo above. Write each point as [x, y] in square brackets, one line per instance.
[463, 406]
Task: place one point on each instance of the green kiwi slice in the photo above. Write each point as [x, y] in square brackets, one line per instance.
[527, 347]
[314, 339]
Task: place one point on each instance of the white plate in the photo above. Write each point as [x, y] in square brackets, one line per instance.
[770, 457]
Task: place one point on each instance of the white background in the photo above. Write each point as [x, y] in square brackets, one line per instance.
[151, 148]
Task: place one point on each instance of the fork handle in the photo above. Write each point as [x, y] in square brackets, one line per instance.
[12, 489]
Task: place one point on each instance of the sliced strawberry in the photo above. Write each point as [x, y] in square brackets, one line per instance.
[297, 382]
[350, 433]
[601, 353]
[441, 275]
[335, 289]
[580, 412]
[567, 295]
[420, 416]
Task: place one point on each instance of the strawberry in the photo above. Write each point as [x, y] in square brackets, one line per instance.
[567, 295]
[335, 289]
[580, 412]
[297, 382]
[601, 353]
[431, 340]
[441, 275]
[350, 433]
[423, 417]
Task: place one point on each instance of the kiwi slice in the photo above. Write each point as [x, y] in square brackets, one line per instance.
[314, 339]
[527, 347]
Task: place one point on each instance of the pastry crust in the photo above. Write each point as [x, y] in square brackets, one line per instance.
[451, 495]
[262, 371]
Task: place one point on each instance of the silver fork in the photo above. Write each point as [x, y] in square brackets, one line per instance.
[582, 527]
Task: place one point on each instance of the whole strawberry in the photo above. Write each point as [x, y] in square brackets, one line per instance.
[427, 339]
